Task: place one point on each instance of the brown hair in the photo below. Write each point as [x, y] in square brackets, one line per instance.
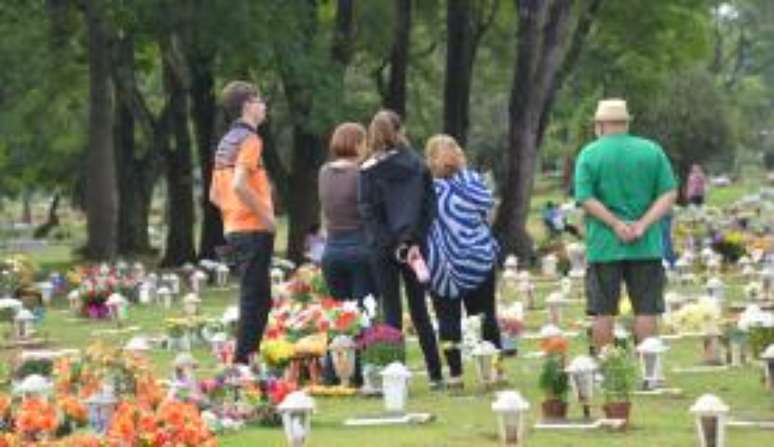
[444, 155]
[347, 140]
[385, 131]
[235, 94]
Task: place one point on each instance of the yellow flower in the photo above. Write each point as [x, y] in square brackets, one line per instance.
[626, 306]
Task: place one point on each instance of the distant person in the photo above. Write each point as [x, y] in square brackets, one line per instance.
[696, 186]
[346, 260]
[397, 204]
[314, 244]
[462, 253]
[241, 190]
[626, 186]
[668, 253]
[555, 221]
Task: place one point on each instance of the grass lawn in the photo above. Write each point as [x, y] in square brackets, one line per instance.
[466, 419]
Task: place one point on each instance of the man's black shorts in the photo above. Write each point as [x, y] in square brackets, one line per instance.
[645, 280]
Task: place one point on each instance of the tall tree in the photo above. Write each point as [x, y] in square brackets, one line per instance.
[101, 191]
[399, 58]
[549, 41]
[136, 167]
[179, 170]
[466, 23]
[310, 105]
[200, 51]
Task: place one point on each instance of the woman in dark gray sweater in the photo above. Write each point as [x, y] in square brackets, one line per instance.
[346, 259]
[397, 205]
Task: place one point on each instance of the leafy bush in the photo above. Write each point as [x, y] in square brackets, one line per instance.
[554, 381]
[760, 338]
[619, 374]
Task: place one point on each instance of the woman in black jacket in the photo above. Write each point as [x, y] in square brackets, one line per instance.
[397, 205]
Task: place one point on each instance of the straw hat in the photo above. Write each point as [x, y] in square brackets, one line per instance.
[612, 110]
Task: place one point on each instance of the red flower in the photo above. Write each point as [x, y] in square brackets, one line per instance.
[329, 303]
[344, 321]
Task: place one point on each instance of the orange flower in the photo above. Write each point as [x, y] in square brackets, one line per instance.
[36, 416]
[80, 440]
[72, 408]
[554, 345]
[5, 404]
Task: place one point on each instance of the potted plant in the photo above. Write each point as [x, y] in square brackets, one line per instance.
[555, 384]
[379, 345]
[619, 379]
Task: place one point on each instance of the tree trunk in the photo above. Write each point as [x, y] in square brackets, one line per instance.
[459, 67]
[545, 55]
[308, 145]
[26, 216]
[135, 171]
[101, 193]
[396, 90]
[179, 174]
[303, 203]
[203, 111]
[200, 53]
[53, 219]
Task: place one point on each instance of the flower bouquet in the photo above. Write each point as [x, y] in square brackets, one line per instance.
[703, 317]
[277, 353]
[343, 317]
[730, 245]
[511, 327]
[178, 333]
[16, 271]
[379, 346]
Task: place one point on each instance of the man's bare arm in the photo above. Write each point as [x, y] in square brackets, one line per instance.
[600, 211]
[657, 210]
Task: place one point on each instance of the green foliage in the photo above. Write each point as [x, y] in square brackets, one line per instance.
[42, 367]
[690, 120]
[553, 380]
[382, 354]
[619, 373]
[760, 339]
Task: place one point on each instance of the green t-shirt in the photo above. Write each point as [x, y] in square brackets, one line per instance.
[627, 174]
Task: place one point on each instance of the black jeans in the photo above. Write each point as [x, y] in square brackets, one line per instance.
[388, 272]
[253, 253]
[346, 265]
[449, 312]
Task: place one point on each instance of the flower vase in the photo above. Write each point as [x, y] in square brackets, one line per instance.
[293, 371]
[372, 380]
[510, 344]
[315, 370]
[344, 365]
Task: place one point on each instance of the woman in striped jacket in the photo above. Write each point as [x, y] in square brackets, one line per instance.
[462, 254]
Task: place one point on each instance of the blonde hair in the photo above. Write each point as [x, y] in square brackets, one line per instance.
[444, 156]
[385, 131]
[347, 141]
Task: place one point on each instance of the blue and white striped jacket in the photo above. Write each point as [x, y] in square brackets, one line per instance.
[461, 250]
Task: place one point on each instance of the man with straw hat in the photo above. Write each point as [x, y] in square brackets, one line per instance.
[626, 185]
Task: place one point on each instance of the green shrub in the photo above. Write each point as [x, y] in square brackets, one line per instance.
[619, 373]
[553, 380]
